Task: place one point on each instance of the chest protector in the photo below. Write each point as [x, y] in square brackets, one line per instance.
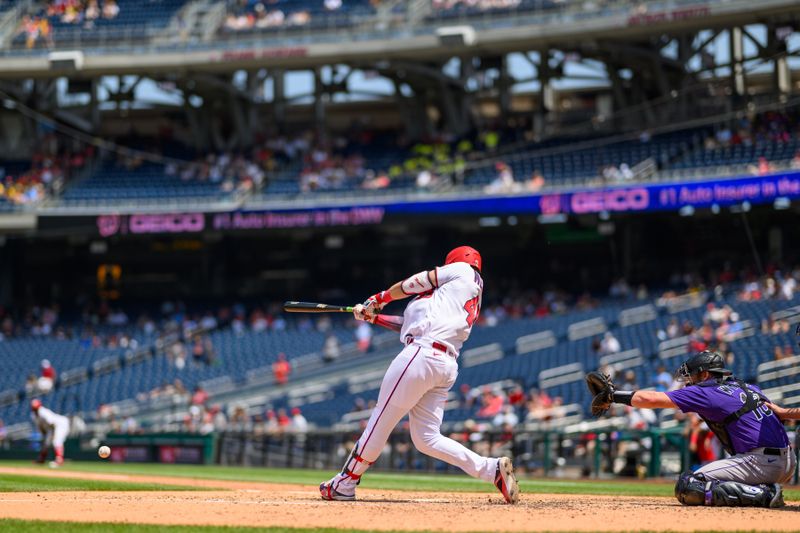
[753, 400]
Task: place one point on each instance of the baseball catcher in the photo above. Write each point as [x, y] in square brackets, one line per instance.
[738, 414]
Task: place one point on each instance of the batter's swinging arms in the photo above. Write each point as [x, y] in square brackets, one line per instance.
[446, 302]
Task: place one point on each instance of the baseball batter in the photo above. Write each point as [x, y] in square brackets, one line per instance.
[445, 303]
[738, 414]
[54, 429]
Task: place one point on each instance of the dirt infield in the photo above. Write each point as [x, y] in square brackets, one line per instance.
[262, 504]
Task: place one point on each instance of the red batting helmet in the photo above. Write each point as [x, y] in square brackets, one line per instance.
[465, 254]
[35, 404]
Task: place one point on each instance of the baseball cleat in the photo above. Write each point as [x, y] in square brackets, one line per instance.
[54, 464]
[777, 500]
[505, 481]
[327, 492]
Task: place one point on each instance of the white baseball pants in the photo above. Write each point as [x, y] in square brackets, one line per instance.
[417, 383]
[58, 434]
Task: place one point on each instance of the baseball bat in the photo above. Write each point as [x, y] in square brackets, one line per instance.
[310, 307]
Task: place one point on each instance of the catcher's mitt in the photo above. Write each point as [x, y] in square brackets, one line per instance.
[602, 389]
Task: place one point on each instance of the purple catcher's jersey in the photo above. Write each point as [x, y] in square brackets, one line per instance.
[757, 429]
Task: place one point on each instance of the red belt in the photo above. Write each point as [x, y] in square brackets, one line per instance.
[435, 345]
[439, 346]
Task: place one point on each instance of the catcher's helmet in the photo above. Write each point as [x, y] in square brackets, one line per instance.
[35, 404]
[465, 254]
[712, 362]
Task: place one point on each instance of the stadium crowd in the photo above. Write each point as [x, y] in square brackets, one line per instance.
[50, 166]
[37, 26]
[247, 15]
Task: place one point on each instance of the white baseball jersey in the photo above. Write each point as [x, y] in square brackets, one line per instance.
[47, 420]
[447, 313]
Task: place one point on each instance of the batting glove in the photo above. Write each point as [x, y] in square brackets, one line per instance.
[376, 302]
[360, 314]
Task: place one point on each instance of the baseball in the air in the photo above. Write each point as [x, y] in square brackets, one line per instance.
[104, 451]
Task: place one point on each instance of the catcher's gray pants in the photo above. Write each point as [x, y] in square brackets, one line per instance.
[752, 468]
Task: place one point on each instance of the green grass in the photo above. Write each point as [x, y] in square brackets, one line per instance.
[379, 480]
[23, 483]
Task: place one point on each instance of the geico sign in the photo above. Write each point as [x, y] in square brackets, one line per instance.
[610, 200]
[169, 223]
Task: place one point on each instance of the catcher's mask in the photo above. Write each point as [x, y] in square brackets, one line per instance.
[712, 362]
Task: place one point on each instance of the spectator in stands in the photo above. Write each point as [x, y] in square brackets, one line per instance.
[516, 396]
[299, 423]
[110, 9]
[491, 403]
[176, 354]
[330, 350]
[178, 388]
[788, 287]
[271, 426]
[773, 326]
[283, 419]
[218, 419]
[3, 433]
[279, 323]
[764, 166]
[363, 335]
[35, 28]
[281, 369]
[468, 395]
[426, 179]
[538, 406]
[673, 330]
[324, 323]
[713, 314]
[788, 351]
[258, 321]
[536, 183]
[209, 321]
[506, 417]
[206, 425]
[619, 289]
[239, 421]
[505, 441]
[663, 379]
[703, 445]
[203, 350]
[47, 377]
[609, 344]
[796, 161]
[639, 419]
[777, 353]
[557, 409]
[200, 396]
[92, 10]
[375, 181]
[642, 292]
[629, 382]
[359, 404]
[129, 425]
[504, 181]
